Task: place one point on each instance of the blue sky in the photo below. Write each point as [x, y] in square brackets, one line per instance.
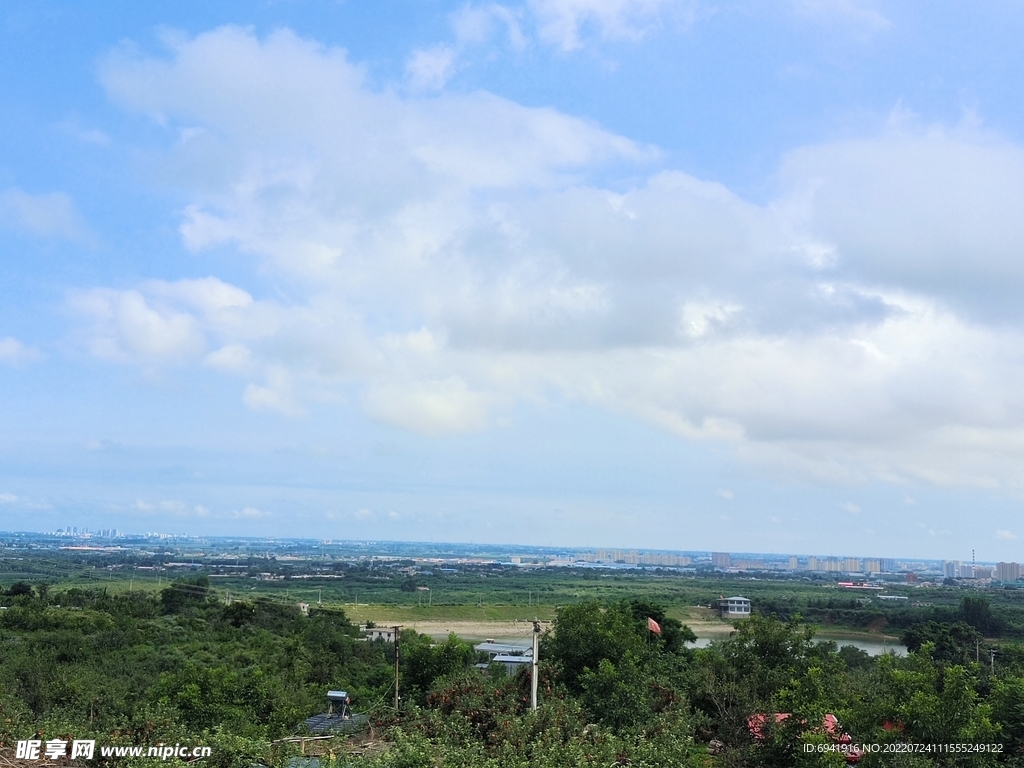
[640, 273]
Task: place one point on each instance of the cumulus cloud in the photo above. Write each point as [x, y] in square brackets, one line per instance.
[431, 68]
[276, 395]
[452, 256]
[571, 25]
[249, 513]
[49, 215]
[231, 358]
[942, 205]
[567, 23]
[429, 407]
[128, 326]
[476, 24]
[13, 352]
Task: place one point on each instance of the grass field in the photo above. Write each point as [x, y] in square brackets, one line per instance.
[399, 614]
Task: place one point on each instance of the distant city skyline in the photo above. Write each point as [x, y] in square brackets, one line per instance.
[681, 273]
[820, 562]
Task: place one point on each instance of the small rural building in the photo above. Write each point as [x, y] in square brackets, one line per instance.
[512, 657]
[736, 607]
[387, 634]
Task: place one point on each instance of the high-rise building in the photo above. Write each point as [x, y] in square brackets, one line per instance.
[852, 565]
[950, 568]
[812, 563]
[721, 559]
[793, 562]
[872, 565]
[1007, 571]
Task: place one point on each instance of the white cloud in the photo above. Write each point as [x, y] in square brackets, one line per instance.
[853, 509]
[452, 256]
[13, 352]
[430, 68]
[858, 14]
[169, 506]
[249, 513]
[429, 407]
[567, 23]
[942, 205]
[51, 215]
[475, 24]
[1006, 535]
[127, 326]
[231, 358]
[725, 494]
[276, 395]
[8, 498]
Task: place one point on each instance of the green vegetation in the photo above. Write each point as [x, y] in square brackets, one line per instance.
[206, 659]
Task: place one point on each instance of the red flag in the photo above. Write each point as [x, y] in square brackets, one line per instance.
[653, 626]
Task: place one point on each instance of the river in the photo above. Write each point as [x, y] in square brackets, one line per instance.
[869, 644]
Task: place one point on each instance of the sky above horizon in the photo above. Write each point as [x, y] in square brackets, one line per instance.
[666, 274]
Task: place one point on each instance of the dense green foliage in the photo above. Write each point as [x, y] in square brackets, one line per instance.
[178, 667]
[627, 698]
[189, 663]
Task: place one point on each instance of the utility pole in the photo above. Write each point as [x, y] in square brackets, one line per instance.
[992, 660]
[533, 675]
[396, 667]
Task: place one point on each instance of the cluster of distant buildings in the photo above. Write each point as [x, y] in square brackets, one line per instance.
[633, 557]
[726, 561]
[102, 533]
[955, 569]
[81, 532]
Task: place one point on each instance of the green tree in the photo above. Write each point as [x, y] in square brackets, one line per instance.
[184, 593]
[976, 611]
[424, 663]
[955, 643]
[587, 633]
